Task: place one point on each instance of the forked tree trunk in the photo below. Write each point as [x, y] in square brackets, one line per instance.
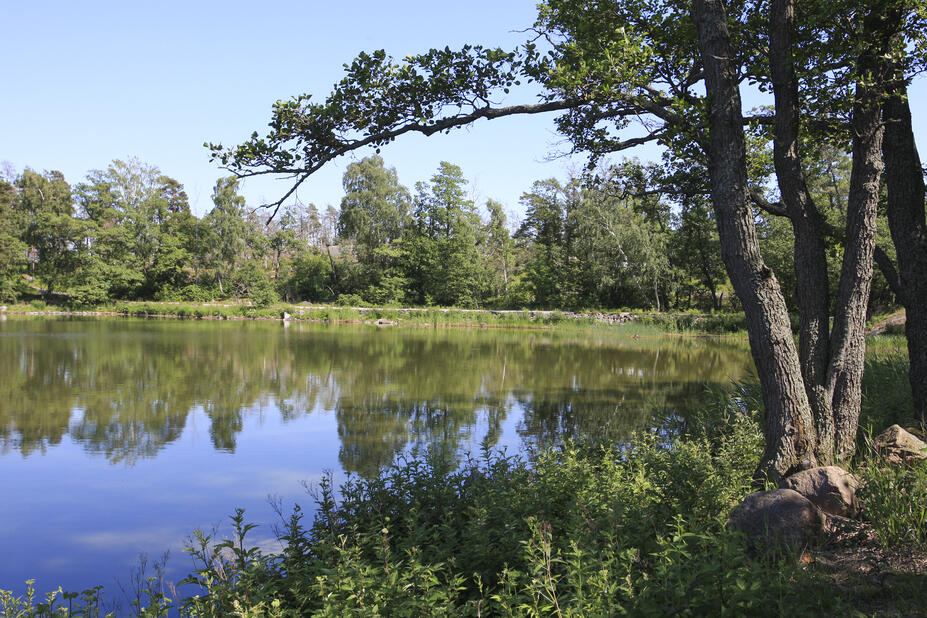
[904, 178]
[817, 419]
[789, 430]
[832, 362]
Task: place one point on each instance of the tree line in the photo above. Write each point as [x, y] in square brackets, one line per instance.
[629, 235]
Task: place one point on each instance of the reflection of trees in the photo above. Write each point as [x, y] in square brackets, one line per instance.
[134, 384]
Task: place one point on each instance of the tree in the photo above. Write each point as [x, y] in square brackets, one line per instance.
[375, 207]
[498, 250]
[622, 233]
[906, 206]
[547, 207]
[139, 223]
[51, 232]
[442, 245]
[613, 62]
[374, 215]
[12, 248]
[698, 248]
[222, 234]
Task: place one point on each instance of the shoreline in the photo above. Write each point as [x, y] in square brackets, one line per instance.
[645, 322]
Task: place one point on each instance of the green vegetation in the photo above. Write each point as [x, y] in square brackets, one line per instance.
[896, 503]
[127, 235]
[347, 311]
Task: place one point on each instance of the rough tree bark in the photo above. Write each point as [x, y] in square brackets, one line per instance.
[904, 179]
[812, 288]
[790, 432]
[812, 395]
[832, 360]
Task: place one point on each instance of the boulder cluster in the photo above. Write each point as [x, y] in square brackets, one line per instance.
[795, 515]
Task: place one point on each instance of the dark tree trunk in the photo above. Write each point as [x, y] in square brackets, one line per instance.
[848, 339]
[808, 225]
[832, 363]
[904, 178]
[790, 432]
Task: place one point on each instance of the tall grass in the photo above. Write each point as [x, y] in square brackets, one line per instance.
[895, 501]
[642, 324]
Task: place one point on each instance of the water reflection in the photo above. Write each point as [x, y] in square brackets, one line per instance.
[124, 389]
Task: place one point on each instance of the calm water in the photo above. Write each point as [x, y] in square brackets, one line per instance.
[120, 437]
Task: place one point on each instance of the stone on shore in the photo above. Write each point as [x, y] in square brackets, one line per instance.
[897, 445]
[830, 488]
[778, 520]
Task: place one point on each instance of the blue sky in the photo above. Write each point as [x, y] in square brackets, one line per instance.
[87, 82]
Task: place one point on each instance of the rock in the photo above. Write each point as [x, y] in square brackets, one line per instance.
[893, 323]
[897, 445]
[778, 520]
[286, 316]
[831, 489]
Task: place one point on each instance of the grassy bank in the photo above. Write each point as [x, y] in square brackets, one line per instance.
[642, 323]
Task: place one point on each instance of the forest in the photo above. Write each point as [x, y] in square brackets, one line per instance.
[631, 235]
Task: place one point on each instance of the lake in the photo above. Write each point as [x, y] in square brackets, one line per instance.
[120, 437]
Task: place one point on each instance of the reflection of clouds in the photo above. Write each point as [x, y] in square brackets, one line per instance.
[139, 537]
[252, 484]
[215, 479]
[57, 562]
[277, 481]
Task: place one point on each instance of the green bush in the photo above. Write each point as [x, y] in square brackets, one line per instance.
[264, 295]
[350, 300]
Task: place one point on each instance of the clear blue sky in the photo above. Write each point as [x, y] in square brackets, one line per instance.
[87, 82]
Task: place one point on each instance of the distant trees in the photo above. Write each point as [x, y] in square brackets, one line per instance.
[127, 232]
[50, 230]
[13, 250]
[625, 235]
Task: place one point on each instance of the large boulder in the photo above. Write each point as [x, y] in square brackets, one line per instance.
[778, 520]
[831, 489]
[897, 445]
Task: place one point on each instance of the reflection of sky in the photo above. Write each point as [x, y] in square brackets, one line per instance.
[74, 515]
[75, 520]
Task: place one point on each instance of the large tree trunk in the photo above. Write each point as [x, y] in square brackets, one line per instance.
[812, 288]
[790, 432]
[848, 339]
[904, 178]
[832, 363]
